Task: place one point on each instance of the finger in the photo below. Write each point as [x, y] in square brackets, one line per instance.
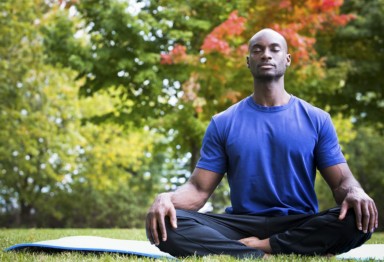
[343, 210]
[163, 231]
[172, 217]
[365, 217]
[374, 217]
[148, 230]
[154, 231]
[357, 209]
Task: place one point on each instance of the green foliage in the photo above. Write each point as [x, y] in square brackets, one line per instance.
[54, 170]
[34, 122]
[358, 48]
[346, 135]
[119, 51]
[364, 155]
[153, 59]
[366, 163]
[150, 78]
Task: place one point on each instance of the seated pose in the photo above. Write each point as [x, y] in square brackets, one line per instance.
[269, 145]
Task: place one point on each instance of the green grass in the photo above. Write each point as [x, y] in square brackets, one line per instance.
[9, 237]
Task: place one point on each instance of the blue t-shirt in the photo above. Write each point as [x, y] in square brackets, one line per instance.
[270, 155]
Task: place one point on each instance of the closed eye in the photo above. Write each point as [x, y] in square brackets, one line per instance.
[257, 50]
[275, 48]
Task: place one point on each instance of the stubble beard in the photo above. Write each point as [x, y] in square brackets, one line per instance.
[268, 77]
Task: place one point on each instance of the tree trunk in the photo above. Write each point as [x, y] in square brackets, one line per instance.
[24, 217]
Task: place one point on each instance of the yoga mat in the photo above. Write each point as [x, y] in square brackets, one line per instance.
[365, 252]
[144, 248]
[96, 244]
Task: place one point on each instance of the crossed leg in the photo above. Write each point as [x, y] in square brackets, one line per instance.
[219, 234]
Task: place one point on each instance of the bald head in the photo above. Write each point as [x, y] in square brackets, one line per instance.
[271, 34]
[268, 56]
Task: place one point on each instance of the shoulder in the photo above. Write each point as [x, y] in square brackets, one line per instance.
[231, 111]
[311, 110]
[318, 118]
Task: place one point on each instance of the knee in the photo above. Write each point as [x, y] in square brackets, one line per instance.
[351, 223]
[348, 225]
[168, 245]
[351, 236]
[175, 242]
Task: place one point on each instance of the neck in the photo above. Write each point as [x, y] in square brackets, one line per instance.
[270, 93]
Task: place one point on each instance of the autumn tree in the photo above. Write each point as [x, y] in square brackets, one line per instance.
[179, 63]
[215, 71]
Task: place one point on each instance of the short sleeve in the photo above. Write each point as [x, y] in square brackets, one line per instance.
[328, 151]
[212, 153]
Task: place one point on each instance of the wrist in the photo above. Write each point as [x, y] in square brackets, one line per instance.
[166, 196]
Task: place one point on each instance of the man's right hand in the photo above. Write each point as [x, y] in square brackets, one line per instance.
[190, 196]
[155, 222]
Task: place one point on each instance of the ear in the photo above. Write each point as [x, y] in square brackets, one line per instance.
[248, 61]
[288, 60]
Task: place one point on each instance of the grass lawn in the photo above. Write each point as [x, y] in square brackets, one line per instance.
[9, 237]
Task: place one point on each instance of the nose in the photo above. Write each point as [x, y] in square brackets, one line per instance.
[266, 54]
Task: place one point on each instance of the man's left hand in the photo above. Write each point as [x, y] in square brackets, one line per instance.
[365, 209]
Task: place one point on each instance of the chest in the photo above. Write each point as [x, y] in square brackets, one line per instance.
[272, 134]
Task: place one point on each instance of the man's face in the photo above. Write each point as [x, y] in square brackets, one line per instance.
[268, 58]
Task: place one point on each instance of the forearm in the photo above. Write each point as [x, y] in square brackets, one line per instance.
[196, 191]
[341, 181]
[187, 197]
[349, 194]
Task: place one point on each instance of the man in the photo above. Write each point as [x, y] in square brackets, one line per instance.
[270, 145]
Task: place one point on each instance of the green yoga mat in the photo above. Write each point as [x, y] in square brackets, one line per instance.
[145, 249]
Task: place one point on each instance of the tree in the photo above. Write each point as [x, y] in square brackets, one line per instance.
[216, 76]
[214, 72]
[358, 48]
[52, 165]
[366, 163]
[177, 63]
[34, 123]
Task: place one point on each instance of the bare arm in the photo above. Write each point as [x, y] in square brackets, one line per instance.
[191, 196]
[349, 194]
[194, 194]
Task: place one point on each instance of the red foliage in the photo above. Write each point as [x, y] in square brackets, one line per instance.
[242, 50]
[342, 20]
[213, 43]
[325, 5]
[166, 59]
[216, 40]
[176, 55]
[179, 51]
[299, 21]
[305, 20]
[302, 45]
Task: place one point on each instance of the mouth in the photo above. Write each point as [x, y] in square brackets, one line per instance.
[266, 66]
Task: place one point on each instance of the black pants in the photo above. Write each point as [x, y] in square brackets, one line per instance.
[218, 234]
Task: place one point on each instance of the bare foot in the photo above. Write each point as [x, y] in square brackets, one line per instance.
[254, 242]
